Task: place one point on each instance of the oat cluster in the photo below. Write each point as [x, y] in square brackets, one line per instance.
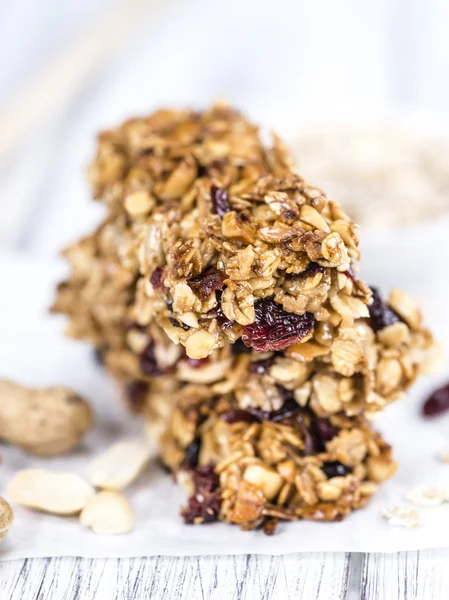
[221, 293]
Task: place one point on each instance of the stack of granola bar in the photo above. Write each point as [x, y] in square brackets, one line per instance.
[221, 292]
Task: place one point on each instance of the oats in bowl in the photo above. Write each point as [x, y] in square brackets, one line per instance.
[384, 177]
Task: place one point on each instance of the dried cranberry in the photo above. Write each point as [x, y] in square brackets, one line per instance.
[204, 506]
[136, 392]
[220, 200]
[156, 278]
[270, 526]
[206, 282]
[335, 469]
[148, 363]
[192, 454]
[381, 315]
[261, 366]
[437, 403]
[275, 329]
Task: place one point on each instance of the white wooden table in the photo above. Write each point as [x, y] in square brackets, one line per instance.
[44, 203]
[404, 576]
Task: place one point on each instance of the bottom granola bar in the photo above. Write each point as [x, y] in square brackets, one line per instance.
[254, 467]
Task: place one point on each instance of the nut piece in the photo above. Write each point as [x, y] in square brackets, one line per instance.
[49, 491]
[200, 344]
[45, 422]
[380, 468]
[139, 203]
[108, 513]
[116, 468]
[249, 503]
[6, 518]
[268, 480]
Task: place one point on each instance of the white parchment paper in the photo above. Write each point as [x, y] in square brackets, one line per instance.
[34, 351]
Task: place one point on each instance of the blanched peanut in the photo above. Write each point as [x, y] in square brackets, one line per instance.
[108, 513]
[49, 491]
[120, 465]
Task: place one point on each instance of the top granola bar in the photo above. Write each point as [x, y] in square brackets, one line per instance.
[227, 239]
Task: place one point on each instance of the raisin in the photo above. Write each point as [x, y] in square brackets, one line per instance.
[148, 363]
[136, 392]
[437, 403]
[309, 443]
[238, 347]
[289, 409]
[322, 431]
[312, 269]
[261, 366]
[192, 454]
[381, 315]
[223, 320]
[240, 415]
[220, 200]
[156, 278]
[99, 354]
[206, 282]
[335, 469]
[274, 328]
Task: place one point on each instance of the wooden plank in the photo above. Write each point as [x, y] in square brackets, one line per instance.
[314, 576]
[21, 579]
[406, 576]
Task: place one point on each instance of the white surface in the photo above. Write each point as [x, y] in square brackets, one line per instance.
[33, 351]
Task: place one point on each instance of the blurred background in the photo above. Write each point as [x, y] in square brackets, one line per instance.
[68, 69]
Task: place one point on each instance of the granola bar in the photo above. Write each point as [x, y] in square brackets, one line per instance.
[254, 467]
[220, 291]
[220, 235]
[343, 363]
[352, 369]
